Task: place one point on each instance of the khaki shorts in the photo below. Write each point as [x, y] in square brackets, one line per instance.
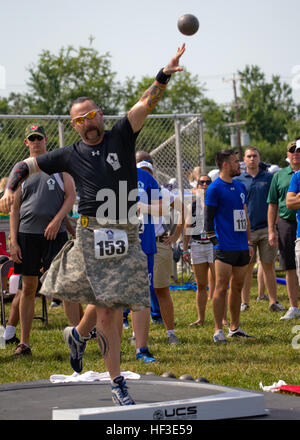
[163, 264]
[260, 240]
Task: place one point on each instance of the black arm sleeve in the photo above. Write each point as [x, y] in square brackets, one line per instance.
[18, 174]
[209, 216]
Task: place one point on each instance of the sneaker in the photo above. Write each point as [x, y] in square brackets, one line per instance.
[120, 395]
[13, 340]
[238, 333]
[125, 324]
[219, 336]
[55, 303]
[157, 321]
[76, 349]
[262, 298]
[145, 355]
[244, 307]
[276, 307]
[22, 349]
[173, 340]
[291, 314]
[93, 334]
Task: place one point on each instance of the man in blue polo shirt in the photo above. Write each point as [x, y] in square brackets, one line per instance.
[257, 182]
[228, 227]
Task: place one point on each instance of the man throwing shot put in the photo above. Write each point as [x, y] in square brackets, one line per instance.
[100, 265]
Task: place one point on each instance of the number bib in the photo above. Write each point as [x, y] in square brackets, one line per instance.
[110, 243]
[239, 220]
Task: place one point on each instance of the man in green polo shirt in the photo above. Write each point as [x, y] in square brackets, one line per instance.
[285, 235]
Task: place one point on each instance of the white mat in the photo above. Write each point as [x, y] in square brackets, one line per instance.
[90, 376]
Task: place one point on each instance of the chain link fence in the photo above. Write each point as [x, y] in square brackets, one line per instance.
[174, 141]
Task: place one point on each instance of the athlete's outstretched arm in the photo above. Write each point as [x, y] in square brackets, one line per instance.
[139, 112]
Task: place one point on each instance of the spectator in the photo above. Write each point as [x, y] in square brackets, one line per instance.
[257, 182]
[285, 236]
[37, 228]
[292, 202]
[201, 249]
[227, 225]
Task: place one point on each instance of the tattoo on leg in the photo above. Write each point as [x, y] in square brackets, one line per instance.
[103, 343]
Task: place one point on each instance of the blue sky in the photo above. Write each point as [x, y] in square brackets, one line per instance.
[141, 36]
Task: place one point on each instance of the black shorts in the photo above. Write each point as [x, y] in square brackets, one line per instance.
[286, 243]
[234, 258]
[37, 252]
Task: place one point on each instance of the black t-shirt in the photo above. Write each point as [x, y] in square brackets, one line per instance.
[106, 171]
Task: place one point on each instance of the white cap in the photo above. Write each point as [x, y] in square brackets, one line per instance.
[145, 164]
[273, 169]
[214, 174]
[297, 144]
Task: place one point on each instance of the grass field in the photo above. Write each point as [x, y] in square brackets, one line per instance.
[239, 363]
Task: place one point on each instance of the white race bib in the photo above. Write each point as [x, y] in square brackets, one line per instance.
[239, 220]
[110, 243]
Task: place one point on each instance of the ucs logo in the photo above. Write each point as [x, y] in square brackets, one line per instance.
[183, 411]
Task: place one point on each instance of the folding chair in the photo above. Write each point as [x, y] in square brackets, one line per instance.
[4, 272]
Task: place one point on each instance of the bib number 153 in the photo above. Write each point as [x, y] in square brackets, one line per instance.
[110, 243]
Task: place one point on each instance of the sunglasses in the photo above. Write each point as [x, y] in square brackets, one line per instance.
[80, 119]
[33, 137]
[294, 150]
[202, 182]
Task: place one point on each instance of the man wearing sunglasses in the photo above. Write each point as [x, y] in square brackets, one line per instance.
[105, 266]
[285, 235]
[37, 230]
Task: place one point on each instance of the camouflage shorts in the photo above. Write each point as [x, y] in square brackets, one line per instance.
[76, 275]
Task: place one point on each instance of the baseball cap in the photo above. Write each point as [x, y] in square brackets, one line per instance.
[145, 164]
[34, 129]
[297, 144]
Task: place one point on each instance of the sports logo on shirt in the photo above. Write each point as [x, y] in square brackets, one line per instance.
[51, 184]
[242, 195]
[113, 160]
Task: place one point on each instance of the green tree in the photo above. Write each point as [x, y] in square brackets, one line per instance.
[57, 80]
[184, 93]
[269, 105]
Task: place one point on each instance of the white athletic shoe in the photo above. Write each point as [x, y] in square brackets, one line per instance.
[291, 314]
[244, 307]
[219, 336]
[238, 333]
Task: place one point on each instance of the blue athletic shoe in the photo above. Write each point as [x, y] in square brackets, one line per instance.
[120, 395]
[76, 349]
[145, 355]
